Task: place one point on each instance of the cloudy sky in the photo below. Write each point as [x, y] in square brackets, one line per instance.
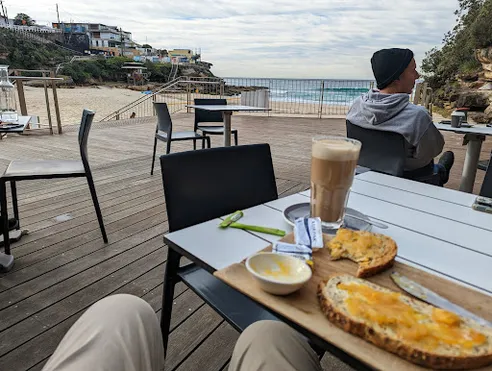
[267, 38]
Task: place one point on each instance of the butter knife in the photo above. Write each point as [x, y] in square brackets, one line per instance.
[423, 293]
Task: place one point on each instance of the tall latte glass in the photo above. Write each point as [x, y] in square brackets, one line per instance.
[333, 165]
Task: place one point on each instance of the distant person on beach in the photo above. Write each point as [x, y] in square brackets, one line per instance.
[389, 109]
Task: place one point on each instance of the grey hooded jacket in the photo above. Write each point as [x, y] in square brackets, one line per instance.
[394, 112]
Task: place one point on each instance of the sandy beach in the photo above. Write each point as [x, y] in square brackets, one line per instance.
[102, 99]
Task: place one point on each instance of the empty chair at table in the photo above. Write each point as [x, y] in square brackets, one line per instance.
[203, 117]
[484, 164]
[164, 132]
[50, 169]
[486, 189]
[203, 185]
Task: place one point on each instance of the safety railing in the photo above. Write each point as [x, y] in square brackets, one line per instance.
[318, 98]
[177, 94]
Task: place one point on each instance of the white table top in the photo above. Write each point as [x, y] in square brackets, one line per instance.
[227, 107]
[475, 129]
[435, 229]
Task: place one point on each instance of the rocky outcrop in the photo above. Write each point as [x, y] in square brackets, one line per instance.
[195, 70]
[484, 56]
[472, 90]
[474, 101]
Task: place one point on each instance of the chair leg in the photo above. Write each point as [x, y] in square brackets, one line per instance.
[208, 142]
[194, 144]
[168, 147]
[92, 189]
[203, 142]
[153, 157]
[170, 280]
[4, 217]
[235, 138]
[15, 206]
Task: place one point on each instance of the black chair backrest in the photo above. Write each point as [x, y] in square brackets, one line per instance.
[206, 184]
[486, 189]
[208, 116]
[85, 128]
[164, 122]
[381, 151]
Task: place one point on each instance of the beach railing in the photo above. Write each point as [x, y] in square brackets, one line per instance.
[304, 97]
[285, 97]
[177, 94]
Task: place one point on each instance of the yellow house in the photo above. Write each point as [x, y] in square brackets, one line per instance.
[179, 55]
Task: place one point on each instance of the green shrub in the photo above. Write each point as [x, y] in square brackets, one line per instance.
[457, 55]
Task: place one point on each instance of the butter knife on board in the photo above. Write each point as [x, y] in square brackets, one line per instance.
[424, 294]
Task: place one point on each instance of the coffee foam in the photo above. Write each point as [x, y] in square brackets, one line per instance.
[335, 150]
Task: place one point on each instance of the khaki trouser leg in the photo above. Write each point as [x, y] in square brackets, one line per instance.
[120, 332]
[273, 346]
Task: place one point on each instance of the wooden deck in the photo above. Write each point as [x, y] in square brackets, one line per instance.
[63, 266]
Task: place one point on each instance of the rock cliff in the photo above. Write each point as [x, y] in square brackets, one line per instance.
[472, 90]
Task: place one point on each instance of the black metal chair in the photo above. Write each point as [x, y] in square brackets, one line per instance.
[483, 164]
[486, 189]
[49, 169]
[202, 116]
[164, 132]
[218, 181]
[384, 152]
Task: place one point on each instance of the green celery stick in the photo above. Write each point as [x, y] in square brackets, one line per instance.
[234, 217]
[276, 232]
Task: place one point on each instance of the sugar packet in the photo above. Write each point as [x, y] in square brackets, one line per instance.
[298, 251]
[308, 232]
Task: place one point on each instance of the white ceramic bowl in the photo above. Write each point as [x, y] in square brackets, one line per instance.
[278, 274]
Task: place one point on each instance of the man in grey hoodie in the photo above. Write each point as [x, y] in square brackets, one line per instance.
[389, 109]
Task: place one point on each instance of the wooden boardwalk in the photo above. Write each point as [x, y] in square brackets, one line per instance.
[63, 266]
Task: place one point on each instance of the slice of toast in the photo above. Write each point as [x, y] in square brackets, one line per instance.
[415, 331]
[373, 252]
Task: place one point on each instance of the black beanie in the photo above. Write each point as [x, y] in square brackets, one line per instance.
[389, 64]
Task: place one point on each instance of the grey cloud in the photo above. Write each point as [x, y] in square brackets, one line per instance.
[276, 38]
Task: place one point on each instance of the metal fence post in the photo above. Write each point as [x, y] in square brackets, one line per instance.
[320, 111]
[154, 99]
[188, 97]
[222, 88]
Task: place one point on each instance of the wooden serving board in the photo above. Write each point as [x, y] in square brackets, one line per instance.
[302, 307]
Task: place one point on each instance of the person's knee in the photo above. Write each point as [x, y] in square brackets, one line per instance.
[266, 331]
[117, 307]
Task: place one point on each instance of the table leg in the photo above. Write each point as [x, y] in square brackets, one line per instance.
[227, 129]
[170, 280]
[4, 217]
[472, 157]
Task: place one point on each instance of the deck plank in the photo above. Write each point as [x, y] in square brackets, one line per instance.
[62, 267]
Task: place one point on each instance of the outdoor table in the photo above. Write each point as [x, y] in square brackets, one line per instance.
[227, 111]
[473, 137]
[22, 120]
[435, 228]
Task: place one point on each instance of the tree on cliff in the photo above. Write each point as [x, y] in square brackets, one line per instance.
[457, 55]
[22, 19]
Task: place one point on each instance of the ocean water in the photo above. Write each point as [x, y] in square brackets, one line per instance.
[330, 92]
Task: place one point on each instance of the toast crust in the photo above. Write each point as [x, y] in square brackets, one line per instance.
[405, 351]
[379, 263]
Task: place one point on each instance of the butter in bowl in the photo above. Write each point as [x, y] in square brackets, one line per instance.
[278, 274]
